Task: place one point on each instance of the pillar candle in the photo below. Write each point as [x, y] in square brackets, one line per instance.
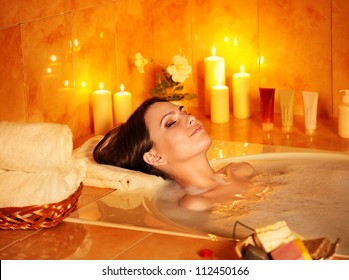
[122, 105]
[214, 75]
[219, 104]
[241, 94]
[102, 111]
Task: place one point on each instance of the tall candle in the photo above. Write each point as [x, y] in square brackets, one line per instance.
[122, 105]
[214, 72]
[102, 110]
[220, 104]
[241, 94]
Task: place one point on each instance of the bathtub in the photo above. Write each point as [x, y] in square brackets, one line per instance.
[306, 188]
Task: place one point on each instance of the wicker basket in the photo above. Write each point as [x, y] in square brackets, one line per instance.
[39, 216]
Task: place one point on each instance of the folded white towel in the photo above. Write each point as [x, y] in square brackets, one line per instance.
[107, 176]
[28, 188]
[34, 147]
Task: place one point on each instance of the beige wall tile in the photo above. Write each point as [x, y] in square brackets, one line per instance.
[12, 99]
[340, 51]
[94, 59]
[36, 9]
[295, 41]
[49, 99]
[8, 13]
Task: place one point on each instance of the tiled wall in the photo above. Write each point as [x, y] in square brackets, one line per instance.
[304, 44]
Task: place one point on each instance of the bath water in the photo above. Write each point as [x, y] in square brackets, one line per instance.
[311, 195]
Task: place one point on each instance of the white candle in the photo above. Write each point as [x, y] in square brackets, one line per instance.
[122, 105]
[220, 104]
[241, 94]
[214, 72]
[102, 111]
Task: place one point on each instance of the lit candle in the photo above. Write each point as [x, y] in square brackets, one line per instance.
[102, 110]
[66, 89]
[214, 72]
[220, 104]
[122, 105]
[241, 94]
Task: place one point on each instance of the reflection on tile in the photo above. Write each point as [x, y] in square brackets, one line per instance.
[10, 237]
[73, 241]
[165, 247]
[134, 17]
[12, 99]
[131, 210]
[90, 194]
[172, 34]
[232, 27]
[94, 59]
[48, 71]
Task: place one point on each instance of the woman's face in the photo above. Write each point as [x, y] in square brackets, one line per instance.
[176, 135]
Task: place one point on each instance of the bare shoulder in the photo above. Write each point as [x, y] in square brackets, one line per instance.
[196, 203]
[242, 170]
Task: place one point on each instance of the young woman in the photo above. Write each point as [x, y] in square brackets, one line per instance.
[162, 139]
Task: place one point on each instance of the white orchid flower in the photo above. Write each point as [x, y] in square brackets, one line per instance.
[180, 69]
[140, 62]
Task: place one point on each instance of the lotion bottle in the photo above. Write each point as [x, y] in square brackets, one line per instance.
[343, 115]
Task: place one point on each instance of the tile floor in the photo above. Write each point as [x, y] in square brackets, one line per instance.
[81, 241]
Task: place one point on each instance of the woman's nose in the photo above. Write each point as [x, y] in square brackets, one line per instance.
[191, 120]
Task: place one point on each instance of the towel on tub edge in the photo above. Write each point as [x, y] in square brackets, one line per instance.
[107, 176]
[19, 189]
[34, 147]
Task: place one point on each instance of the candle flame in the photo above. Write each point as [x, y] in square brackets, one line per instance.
[235, 42]
[122, 87]
[260, 60]
[213, 50]
[49, 70]
[242, 68]
[83, 84]
[53, 58]
[101, 86]
[66, 83]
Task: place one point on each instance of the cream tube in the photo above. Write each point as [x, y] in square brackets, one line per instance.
[310, 101]
[286, 108]
[267, 108]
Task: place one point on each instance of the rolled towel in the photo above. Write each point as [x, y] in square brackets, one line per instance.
[107, 176]
[35, 147]
[19, 189]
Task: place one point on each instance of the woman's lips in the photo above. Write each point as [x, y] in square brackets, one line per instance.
[196, 130]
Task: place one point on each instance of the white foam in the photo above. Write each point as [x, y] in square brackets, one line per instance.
[310, 194]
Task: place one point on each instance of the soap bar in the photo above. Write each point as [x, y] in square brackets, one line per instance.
[318, 248]
[294, 250]
[254, 253]
[275, 235]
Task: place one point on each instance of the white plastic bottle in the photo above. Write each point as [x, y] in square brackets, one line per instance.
[343, 115]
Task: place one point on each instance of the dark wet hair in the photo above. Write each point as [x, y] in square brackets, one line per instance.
[125, 145]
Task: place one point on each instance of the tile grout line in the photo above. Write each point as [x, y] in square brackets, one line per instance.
[19, 240]
[132, 246]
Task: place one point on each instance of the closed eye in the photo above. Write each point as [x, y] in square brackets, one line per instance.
[169, 123]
